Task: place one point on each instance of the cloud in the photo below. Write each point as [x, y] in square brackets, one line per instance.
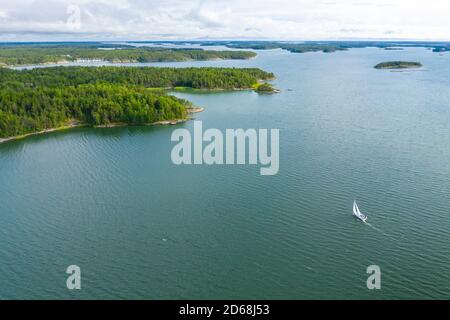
[206, 17]
[180, 19]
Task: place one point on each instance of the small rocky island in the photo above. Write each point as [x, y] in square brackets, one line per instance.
[398, 65]
[265, 88]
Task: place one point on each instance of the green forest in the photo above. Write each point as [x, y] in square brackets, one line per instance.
[150, 77]
[31, 54]
[44, 98]
[26, 110]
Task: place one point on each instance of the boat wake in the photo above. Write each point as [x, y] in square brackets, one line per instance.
[363, 218]
[375, 228]
[382, 232]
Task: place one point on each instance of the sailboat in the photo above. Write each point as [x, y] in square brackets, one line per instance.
[358, 213]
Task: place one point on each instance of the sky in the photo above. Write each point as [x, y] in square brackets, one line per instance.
[58, 20]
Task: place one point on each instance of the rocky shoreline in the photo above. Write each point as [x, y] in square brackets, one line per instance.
[75, 124]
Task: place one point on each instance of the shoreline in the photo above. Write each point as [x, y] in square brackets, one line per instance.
[94, 62]
[26, 135]
[74, 124]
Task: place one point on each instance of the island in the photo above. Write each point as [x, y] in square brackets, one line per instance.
[310, 46]
[14, 55]
[47, 99]
[328, 46]
[265, 88]
[398, 65]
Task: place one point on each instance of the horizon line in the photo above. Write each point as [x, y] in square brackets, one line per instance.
[226, 40]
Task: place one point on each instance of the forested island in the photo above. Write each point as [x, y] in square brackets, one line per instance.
[42, 99]
[291, 47]
[265, 88]
[398, 65]
[150, 77]
[34, 54]
[333, 46]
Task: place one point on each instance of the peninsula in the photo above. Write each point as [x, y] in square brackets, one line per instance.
[45, 99]
[14, 55]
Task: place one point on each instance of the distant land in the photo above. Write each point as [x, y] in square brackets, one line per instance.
[312, 46]
[60, 53]
[398, 65]
[29, 53]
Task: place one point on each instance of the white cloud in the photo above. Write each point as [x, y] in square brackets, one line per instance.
[270, 19]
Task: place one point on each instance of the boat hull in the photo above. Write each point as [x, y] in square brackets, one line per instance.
[361, 218]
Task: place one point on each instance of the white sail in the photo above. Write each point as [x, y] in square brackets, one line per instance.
[358, 213]
[357, 208]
